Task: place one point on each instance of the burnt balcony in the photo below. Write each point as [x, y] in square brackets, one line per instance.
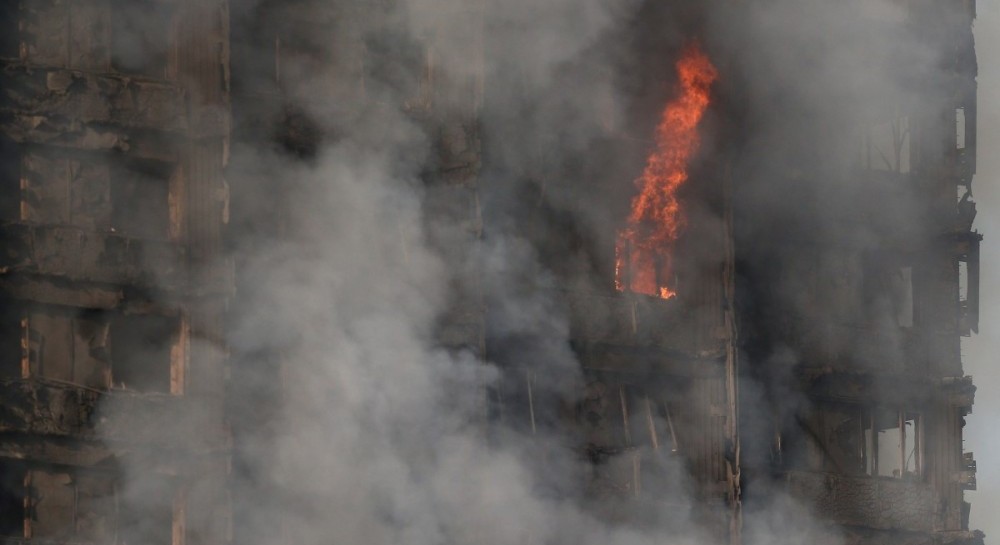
[54, 410]
[77, 254]
[873, 502]
[679, 328]
[84, 98]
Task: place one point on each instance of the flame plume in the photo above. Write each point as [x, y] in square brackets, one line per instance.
[645, 247]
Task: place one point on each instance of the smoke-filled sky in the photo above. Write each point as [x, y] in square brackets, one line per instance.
[981, 351]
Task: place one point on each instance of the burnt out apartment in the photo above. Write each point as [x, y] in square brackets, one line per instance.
[704, 285]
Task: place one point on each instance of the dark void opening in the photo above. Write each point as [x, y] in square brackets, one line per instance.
[140, 200]
[10, 178]
[140, 37]
[11, 334]
[10, 35]
[11, 499]
[140, 352]
[298, 134]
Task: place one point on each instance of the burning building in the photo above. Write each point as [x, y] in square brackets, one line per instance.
[113, 135]
[489, 272]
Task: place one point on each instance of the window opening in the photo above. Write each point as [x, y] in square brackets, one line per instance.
[899, 444]
[11, 336]
[67, 346]
[968, 289]
[140, 37]
[904, 297]
[57, 506]
[143, 352]
[10, 34]
[10, 180]
[12, 499]
[963, 283]
[140, 200]
[966, 210]
[960, 128]
[886, 146]
[878, 442]
[53, 500]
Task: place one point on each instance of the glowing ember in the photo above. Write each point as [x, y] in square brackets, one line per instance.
[645, 246]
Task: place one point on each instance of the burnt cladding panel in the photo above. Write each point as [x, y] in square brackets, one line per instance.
[65, 344]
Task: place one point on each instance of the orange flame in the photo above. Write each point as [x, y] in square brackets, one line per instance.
[645, 246]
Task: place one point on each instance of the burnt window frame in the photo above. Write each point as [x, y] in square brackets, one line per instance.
[33, 364]
[872, 421]
[177, 348]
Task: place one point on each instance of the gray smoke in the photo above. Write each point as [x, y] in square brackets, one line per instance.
[372, 430]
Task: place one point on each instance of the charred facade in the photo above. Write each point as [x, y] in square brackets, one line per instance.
[114, 122]
[812, 350]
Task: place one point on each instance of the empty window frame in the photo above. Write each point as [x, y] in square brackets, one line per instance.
[10, 35]
[841, 443]
[148, 353]
[10, 180]
[965, 138]
[625, 416]
[968, 289]
[141, 37]
[90, 192]
[631, 432]
[96, 349]
[252, 49]
[52, 505]
[66, 345]
[853, 439]
[894, 444]
[69, 506]
[965, 209]
[12, 337]
[87, 506]
[960, 128]
[13, 512]
[140, 200]
[886, 146]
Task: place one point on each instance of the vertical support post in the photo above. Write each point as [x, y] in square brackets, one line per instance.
[652, 425]
[530, 379]
[624, 406]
